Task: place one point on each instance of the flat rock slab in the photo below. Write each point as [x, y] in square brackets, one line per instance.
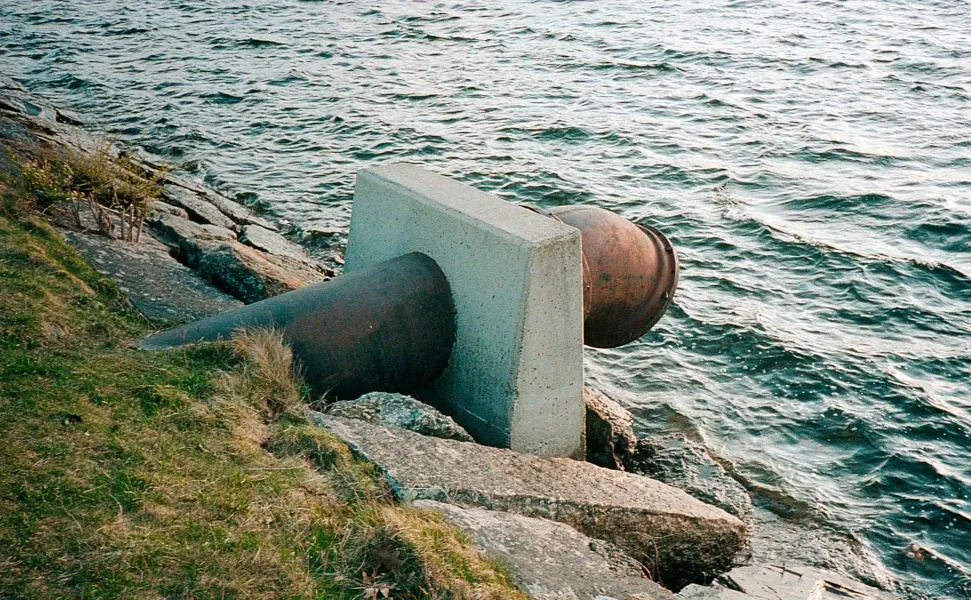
[401, 411]
[158, 285]
[678, 538]
[263, 239]
[550, 560]
[795, 582]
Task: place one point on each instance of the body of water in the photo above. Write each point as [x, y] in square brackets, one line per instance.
[810, 160]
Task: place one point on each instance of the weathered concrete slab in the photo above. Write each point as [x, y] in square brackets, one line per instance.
[515, 377]
[678, 538]
[550, 560]
[398, 410]
[609, 430]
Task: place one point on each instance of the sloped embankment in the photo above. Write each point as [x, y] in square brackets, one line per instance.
[188, 473]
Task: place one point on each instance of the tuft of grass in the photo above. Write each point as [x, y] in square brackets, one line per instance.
[109, 186]
[188, 473]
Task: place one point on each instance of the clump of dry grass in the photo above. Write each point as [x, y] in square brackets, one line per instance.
[109, 186]
[270, 378]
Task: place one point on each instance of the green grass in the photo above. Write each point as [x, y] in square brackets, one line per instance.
[189, 473]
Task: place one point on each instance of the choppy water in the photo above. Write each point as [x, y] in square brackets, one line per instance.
[810, 160]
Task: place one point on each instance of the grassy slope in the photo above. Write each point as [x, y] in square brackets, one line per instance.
[181, 474]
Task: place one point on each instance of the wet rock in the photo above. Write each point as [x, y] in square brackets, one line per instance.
[263, 239]
[686, 465]
[401, 411]
[199, 209]
[789, 582]
[550, 560]
[610, 430]
[678, 538]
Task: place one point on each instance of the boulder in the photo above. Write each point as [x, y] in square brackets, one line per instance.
[686, 465]
[199, 209]
[241, 271]
[788, 582]
[237, 212]
[609, 429]
[251, 275]
[162, 208]
[400, 411]
[187, 235]
[550, 560]
[263, 239]
[678, 538]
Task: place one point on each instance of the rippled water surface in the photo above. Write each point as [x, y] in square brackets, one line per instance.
[810, 160]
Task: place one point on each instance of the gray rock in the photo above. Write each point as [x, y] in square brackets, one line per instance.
[686, 465]
[550, 560]
[251, 275]
[242, 271]
[263, 239]
[187, 235]
[162, 208]
[700, 592]
[198, 208]
[679, 539]
[789, 582]
[610, 430]
[237, 212]
[156, 284]
[401, 411]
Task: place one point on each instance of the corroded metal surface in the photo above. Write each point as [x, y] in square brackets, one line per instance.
[630, 273]
[389, 327]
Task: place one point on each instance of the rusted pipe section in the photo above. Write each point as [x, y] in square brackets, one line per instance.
[630, 273]
[389, 327]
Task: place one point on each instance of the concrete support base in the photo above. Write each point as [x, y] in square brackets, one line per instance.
[515, 378]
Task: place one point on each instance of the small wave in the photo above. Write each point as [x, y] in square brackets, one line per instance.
[222, 98]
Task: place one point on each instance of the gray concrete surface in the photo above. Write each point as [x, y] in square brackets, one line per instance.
[515, 378]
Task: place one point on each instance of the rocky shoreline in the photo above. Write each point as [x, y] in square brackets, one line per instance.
[637, 512]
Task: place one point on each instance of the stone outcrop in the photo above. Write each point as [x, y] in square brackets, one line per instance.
[272, 242]
[550, 560]
[199, 210]
[148, 275]
[609, 430]
[686, 465]
[789, 582]
[678, 538]
[242, 271]
[401, 411]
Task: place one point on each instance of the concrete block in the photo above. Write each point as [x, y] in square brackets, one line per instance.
[515, 378]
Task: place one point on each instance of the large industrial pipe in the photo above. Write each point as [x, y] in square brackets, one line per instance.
[630, 273]
[389, 327]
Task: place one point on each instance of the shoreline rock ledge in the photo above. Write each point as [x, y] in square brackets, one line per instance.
[679, 539]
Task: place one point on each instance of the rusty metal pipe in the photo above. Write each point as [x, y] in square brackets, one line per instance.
[630, 274]
[389, 327]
